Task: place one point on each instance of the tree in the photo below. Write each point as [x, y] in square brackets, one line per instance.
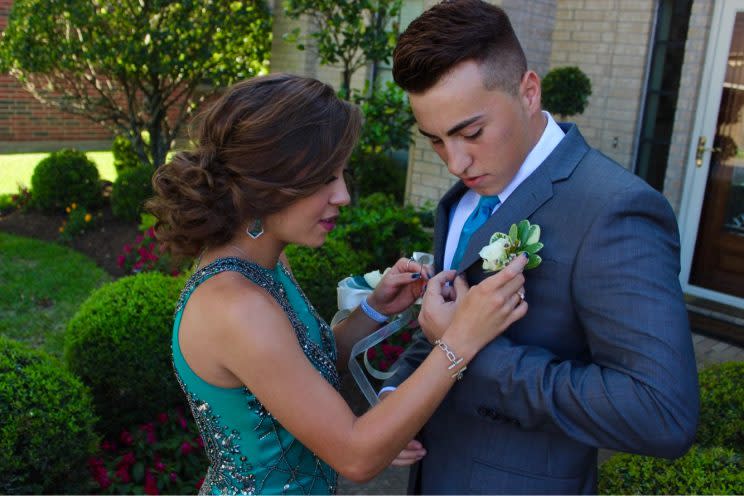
[350, 32]
[566, 91]
[139, 67]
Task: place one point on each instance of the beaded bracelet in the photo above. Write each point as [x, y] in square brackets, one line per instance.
[371, 312]
[452, 358]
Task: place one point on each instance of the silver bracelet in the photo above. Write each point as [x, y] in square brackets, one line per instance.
[372, 313]
[452, 358]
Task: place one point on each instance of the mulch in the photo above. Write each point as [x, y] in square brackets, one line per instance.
[103, 243]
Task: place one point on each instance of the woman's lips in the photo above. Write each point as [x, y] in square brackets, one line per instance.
[328, 224]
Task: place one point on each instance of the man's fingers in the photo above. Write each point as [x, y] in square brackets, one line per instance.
[461, 287]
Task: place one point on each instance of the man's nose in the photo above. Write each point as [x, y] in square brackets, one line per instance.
[458, 159]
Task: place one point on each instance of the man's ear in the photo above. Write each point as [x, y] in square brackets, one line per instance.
[530, 92]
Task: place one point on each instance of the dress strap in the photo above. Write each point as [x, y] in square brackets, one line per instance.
[321, 355]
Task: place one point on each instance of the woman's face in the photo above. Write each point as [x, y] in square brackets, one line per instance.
[309, 220]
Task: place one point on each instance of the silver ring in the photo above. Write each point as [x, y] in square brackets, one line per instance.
[520, 293]
[408, 263]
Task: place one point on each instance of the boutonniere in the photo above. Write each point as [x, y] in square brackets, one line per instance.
[503, 248]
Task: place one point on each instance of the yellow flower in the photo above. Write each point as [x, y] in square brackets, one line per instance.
[88, 217]
[62, 229]
[67, 210]
[74, 206]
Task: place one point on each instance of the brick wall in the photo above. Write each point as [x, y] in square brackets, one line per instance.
[28, 125]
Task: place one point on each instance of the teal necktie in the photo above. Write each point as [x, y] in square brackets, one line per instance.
[479, 216]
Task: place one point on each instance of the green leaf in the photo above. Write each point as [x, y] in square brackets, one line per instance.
[533, 235]
[513, 233]
[535, 260]
[524, 227]
[138, 472]
[533, 248]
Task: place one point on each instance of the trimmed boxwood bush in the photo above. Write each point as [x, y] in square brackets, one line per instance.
[700, 471]
[124, 155]
[119, 344]
[318, 271]
[63, 178]
[722, 406]
[380, 226]
[46, 423]
[132, 187]
[566, 91]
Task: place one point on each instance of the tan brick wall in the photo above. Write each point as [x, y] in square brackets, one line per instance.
[684, 117]
[608, 40]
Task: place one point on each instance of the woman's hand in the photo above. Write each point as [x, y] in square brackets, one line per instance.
[400, 287]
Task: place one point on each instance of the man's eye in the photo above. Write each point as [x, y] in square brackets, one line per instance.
[435, 141]
[475, 134]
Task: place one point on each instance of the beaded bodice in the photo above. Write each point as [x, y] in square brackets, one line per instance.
[249, 451]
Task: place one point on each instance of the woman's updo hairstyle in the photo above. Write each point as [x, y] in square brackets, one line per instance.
[263, 144]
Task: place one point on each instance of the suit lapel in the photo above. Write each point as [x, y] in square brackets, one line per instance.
[441, 224]
[531, 194]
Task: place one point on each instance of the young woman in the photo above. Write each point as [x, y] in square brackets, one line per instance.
[255, 360]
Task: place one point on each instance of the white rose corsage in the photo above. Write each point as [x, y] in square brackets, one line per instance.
[503, 248]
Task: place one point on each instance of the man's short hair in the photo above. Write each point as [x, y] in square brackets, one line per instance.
[456, 31]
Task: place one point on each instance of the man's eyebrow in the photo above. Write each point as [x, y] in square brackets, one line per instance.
[456, 128]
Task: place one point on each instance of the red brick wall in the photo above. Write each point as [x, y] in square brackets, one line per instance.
[23, 119]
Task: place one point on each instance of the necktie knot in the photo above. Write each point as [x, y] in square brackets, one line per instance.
[480, 215]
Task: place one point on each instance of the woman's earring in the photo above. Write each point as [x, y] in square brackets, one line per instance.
[256, 231]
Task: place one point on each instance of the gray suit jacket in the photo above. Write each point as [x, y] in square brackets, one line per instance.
[603, 357]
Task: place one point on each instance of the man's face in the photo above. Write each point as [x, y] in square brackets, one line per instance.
[482, 135]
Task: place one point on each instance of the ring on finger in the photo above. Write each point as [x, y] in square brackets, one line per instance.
[520, 293]
[408, 263]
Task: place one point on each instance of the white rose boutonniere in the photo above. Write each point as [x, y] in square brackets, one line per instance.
[503, 248]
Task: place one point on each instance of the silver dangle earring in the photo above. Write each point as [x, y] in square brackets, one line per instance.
[256, 231]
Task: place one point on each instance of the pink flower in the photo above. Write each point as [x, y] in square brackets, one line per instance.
[163, 418]
[405, 337]
[99, 472]
[200, 441]
[182, 422]
[186, 448]
[388, 350]
[120, 260]
[107, 445]
[371, 353]
[151, 232]
[123, 474]
[384, 365]
[138, 239]
[199, 483]
[159, 466]
[127, 249]
[151, 484]
[127, 460]
[173, 476]
[126, 438]
[149, 430]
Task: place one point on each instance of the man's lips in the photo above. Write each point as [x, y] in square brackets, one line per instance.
[472, 181]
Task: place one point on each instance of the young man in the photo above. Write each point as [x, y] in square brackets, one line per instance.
[604, 356]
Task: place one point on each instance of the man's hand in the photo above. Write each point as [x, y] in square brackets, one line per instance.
[412, 453]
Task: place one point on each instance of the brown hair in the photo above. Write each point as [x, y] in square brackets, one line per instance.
[263, 144]
[455, 31]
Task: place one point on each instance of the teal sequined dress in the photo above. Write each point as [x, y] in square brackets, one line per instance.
[249, 450]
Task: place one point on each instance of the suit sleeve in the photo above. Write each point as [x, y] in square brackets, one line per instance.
[638, 391]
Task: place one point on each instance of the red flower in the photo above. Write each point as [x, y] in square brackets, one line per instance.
[186, 448]
[123, 474]
[107, 445]
[159, 466]
[149, 430]
[151, 484]
[138, 239]
[151, 232]
[388, 350]
[126, 438]
[182, 422]
[163, 418]
[199, 484]
[405, 337]
[173, 476]
[200, 441]
[127, 460]
[99, 472]
[127, 249]
[371, 353]
[120, 260]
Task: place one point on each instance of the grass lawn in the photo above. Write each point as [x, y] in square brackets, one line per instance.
[18, 168]
[43, 284]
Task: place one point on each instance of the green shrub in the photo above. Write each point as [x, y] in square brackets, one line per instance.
[124, 155]
[387, 119]
[383, 228]
[566, 91]
[131, 188]
[700, 471]
[118, 343]
[318, 271]
[722, 406]
[63, 178]
[46, 426]
[378, 173]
